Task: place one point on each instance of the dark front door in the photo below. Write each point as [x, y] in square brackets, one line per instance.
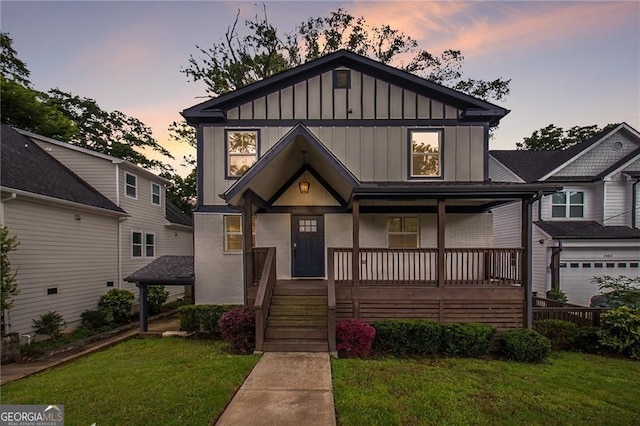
[307, 246]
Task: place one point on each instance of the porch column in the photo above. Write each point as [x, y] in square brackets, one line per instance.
[144, 316]
[355, 265]
[525, 273]
[247, 245]
[441, 242]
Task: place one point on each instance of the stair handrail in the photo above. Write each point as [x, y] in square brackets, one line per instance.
[263, 296]
[331, 303]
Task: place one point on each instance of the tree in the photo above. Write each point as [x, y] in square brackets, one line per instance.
[183, 192]
[11, 67]
[8, 283]
[237, 61]
[553, 137]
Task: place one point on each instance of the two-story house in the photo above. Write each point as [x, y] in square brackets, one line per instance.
[85, 221]
[588, 229]
[359, 185]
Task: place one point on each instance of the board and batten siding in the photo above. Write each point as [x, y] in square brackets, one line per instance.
[97, 172]
[78, 257]
[375, 153]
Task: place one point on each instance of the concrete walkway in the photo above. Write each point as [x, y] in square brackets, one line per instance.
[284, 388]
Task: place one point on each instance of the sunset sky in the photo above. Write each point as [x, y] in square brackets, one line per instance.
[570, 63]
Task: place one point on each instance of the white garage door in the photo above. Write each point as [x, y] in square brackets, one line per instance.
[576, 276]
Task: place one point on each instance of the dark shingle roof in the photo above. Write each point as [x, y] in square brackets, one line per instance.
[27, 167]
[581, 229]
[175, 215]
[165, 270]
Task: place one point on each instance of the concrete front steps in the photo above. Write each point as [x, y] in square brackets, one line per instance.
[297, 320]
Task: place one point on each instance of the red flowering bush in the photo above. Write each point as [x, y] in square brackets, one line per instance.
[354, 338]
[238, 329]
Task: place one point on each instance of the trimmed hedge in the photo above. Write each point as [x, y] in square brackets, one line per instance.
[524, 345]
[407, 337]
[354, 338]
[562, 334]
[202, 318]
[467, 339]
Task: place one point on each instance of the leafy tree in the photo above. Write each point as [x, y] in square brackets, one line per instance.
[237, 61]
[11, 67]
[620, 291]
[553, 137]
[183, 192]
[8, 283]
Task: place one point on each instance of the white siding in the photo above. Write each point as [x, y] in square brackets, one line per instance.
[541, 260]
[499, 173]
[617, 207]
[507, 225]
[592, 206]
[78, 257]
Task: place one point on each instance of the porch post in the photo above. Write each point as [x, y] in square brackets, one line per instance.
[144, 316]
[247, 245]
[355, 261]
[441, 241]
[525, 273]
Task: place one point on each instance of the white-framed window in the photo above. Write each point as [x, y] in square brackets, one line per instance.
[425, 153]
[155, 194]
[130, 185]
[149, 244]
[233, 233]
[402, 232]
[136, 244]
[242, 151]
[567, 204]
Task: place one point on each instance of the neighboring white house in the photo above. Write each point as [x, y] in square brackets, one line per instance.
[85, 221]
[588, 229]
[348, 162]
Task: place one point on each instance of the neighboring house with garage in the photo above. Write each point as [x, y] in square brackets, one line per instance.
[85, 221]
[364, 189]
[588, 229]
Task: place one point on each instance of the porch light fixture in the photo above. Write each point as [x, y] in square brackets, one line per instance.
[304, 184]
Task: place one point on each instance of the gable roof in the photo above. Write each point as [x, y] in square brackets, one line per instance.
[474, 108]
[176, 216]
[532, 166]
[27, 167]
[581, 229]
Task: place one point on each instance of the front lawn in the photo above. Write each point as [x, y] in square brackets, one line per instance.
[140, 382]
[570, 388]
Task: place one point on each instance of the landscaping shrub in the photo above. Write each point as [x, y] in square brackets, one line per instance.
[587, 339]
[176, 304]
[50, 324]
[94, 320]
[467, 339]
[402, 337]
[117, 303]
[557, 294]
[354, 338]
[524, 345]
[620, 331]
[156, 296]
[238, 329]
[562, 334]
[202, 318]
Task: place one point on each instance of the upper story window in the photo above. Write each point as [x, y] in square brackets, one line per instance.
[567, 204]
[143, 244]
[149, 245]
[233, 233]
[425, 153]
[136, 244]
[242, 151]
[155, 194]
[131, 185]
[342, 79]
[402, 231]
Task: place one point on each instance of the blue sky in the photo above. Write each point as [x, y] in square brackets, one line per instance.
[570, 63]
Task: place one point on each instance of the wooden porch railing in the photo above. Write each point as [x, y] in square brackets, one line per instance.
[331, 306]
[263, 296]
[553, 309]
[463, 266]
[259, 258]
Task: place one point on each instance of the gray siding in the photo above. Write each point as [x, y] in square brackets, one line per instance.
[507, 225]
[599, 157]
[592, 208]
[78, 257]
[499, 173]
[617, 208]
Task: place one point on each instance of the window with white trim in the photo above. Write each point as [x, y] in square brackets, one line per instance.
[155, 194]
[425, 150]
[130, 185]
[402, 232]
[149, 244]
[136, 244]
[567, 204]
[242, 151]
[233, 233]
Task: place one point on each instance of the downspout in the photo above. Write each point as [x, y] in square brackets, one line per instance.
[555, 265]
[119, 227]
[634, 204]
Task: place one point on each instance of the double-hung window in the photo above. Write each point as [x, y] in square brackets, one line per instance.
[425, 149]
[131, 185]
[149, 245]
[567, 204]
[402, 231]
[143, 244]
[242, 151]
[136, 244]
[155, 194]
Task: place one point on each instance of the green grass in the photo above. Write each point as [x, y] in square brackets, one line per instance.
[570, 388]
[140, 382]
